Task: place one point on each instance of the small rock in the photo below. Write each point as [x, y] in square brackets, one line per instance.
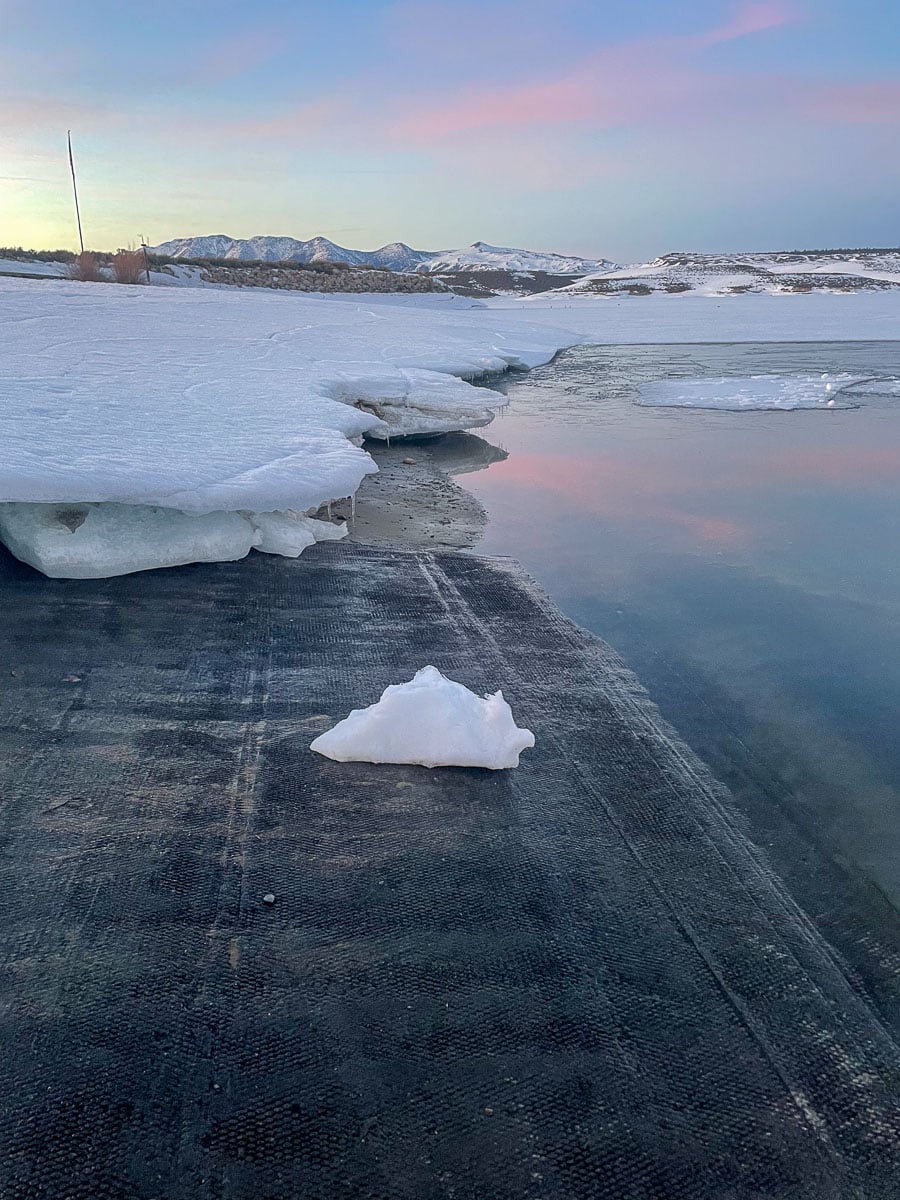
[61, 803]
[269, 898]
[410, 462]
[71, 679]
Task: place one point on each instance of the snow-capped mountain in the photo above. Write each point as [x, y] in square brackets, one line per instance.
[397, 256]
[482, 257]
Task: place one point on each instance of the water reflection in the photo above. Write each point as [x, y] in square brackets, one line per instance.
[462, 453]
[746, 563]
[781, 493]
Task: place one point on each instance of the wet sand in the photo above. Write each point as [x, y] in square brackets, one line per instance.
[414, 502]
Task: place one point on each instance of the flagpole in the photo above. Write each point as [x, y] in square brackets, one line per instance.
[75, 190]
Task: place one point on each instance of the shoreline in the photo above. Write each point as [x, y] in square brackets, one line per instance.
[414, 501]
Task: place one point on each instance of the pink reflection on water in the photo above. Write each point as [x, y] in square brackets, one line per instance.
[609, 487]
[845, 465]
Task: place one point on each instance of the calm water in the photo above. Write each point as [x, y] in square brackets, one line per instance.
[747, 566]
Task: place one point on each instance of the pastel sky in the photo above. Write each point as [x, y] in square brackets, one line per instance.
[596, 127]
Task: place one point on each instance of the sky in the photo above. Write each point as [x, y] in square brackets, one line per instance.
[593, 127]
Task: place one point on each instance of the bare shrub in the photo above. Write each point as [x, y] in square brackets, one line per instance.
[86, 268]
[128, 266]
[20, 255]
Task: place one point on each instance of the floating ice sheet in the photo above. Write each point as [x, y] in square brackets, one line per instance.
[433, 722]
[881, 385]
[754, 392]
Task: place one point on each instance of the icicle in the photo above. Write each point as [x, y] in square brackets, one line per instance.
[353, 511]
[328, 509]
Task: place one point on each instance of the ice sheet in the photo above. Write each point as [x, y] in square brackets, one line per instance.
[414, 402]
[204, 400]
[431, 721]
[754, 392]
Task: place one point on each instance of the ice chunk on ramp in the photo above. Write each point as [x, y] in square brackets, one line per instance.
[430, 721]
[289, 533]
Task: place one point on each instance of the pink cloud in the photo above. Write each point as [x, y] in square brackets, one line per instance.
[877, 102]
[442, 30]
[306, 122]
[546, 130]
[549, 164]
[236, 54]
[44, 112]
[563, 100]
[614, 86]
[750, 19]
[610, 89]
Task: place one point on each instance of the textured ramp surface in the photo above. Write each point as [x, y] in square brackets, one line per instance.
[573, 980]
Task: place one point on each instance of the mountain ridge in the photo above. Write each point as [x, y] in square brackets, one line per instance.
[395, 256]
[483, 270]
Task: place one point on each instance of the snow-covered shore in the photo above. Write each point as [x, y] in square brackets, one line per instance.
[196, 402]
[145, 427]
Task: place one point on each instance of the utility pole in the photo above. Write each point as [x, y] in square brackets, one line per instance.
[75, 190]
[146, 259]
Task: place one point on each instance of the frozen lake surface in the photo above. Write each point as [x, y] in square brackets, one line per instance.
[747, 566]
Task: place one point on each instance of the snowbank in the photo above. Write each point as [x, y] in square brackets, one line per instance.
[38, 267]
[430, 721]
[206, 401]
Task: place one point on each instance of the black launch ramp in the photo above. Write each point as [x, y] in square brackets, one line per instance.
[574, 980]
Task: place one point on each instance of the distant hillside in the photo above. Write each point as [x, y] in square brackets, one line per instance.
[774, 271]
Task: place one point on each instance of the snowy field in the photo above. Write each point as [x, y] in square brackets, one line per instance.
[145, 427]
[38, 267]
[692, 317]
